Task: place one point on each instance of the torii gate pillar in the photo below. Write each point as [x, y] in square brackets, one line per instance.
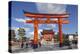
[35, 42]
[60, 31]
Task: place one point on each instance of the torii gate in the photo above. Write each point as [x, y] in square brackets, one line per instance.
[37, 21]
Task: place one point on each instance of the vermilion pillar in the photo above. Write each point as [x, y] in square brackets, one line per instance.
[60, 31]
[35, 34]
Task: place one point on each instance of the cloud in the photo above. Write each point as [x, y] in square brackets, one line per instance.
[31, 34]
[39, 31]
[13, 28]
[50, 26]
[20, 20]
[51, 8]
[28, 18]
[56, 8]
[47, 26]
[27, 29]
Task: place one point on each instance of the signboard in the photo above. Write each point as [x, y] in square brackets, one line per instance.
[70, 37]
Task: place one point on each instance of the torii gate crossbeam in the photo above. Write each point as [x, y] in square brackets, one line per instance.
[37, 21]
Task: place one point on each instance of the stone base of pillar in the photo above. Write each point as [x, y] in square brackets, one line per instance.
[35, 46]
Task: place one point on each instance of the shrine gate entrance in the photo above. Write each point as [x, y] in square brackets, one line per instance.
[38, 20]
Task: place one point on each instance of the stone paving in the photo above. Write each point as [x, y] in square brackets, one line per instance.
[42, 48]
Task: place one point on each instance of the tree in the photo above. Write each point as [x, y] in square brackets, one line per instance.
[24, 38]
[63, 36]
[21, 33]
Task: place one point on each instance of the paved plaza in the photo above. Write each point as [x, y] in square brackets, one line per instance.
[42, 48]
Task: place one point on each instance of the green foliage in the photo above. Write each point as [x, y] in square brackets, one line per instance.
[64, 36]
[21, 33]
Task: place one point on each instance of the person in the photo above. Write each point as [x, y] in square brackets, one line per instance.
[22, 44]
[70, 43]
[31, 43]
[39, 44]
[26, 44]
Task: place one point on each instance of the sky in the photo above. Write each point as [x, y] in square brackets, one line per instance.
[18, 18]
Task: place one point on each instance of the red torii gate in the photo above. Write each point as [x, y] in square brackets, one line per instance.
[37, 21]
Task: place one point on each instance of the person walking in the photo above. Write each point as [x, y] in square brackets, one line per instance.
[22, 44]
[26, 44]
